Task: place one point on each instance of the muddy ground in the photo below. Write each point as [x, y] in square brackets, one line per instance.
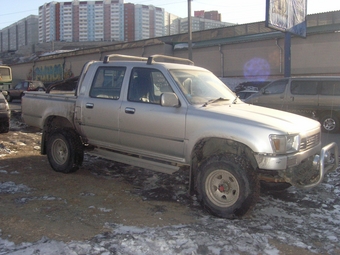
[76, 206]
[37, 202]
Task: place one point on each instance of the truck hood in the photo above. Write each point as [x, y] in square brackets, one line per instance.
[261, 117]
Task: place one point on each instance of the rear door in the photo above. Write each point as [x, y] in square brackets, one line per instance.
[146, 127]
[99, 109]
[329, 94]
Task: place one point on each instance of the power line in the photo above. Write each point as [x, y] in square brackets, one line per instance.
[6, 14]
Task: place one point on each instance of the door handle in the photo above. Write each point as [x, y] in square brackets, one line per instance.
[89, 105]
[130, 110]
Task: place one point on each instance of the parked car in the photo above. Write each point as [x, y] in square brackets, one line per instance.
[245, 93]
[314, 96]
[69, 84]
[18, 91]
[5, 114]
[250, 85]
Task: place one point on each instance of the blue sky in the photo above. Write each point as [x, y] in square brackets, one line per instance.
[233, 11]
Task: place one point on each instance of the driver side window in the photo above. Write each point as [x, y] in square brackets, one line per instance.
[147, 85]
[276, 87]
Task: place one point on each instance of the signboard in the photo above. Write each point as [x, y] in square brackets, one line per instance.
[287, 16]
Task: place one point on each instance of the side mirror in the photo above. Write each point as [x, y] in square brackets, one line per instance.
[169, 99]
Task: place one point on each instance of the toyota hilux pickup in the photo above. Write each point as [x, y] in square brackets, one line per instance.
[164, 113]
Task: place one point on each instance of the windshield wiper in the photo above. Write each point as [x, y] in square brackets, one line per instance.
[214, 101]
[235, 100]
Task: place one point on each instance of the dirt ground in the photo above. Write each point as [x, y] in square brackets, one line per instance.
[81, 205]
[76, 206]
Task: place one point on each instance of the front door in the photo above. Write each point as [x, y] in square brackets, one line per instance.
[273, 95]
[146, 127]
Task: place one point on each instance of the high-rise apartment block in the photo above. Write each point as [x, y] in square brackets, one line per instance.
[82, 21]
[108, 20]
[22, 33]
[212, 15]
[112, 20]
[102, 20]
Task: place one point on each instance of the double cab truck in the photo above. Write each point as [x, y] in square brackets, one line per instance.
[165, 114]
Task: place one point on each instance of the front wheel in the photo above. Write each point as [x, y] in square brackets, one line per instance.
[227, 186]
[330, 123]
[64, 151]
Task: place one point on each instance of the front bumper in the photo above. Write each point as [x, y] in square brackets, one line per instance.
[300, 170]
[327, 161]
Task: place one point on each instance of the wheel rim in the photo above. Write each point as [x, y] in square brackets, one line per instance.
[222, 188]
[329, 124]
[59, 151]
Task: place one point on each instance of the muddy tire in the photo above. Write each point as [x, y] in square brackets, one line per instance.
[227, 186]
[65, 151]
[330, 123]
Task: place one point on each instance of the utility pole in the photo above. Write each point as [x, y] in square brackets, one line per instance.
[189, 31]
[287, 55]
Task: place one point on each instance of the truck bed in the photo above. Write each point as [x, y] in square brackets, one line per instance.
[36, 106]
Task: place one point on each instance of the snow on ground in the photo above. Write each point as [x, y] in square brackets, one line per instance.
[308, 219]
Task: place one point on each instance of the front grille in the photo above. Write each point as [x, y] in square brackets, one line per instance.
[310, 142]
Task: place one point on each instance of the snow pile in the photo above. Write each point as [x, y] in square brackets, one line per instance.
[11, 188]
[4, 150]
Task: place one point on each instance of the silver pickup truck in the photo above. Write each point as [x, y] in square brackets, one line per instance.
[166, 116]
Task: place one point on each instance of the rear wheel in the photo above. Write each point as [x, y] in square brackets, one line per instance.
[65, 151]
[330, 123]
[227, 186]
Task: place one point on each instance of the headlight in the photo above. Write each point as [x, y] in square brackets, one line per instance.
[283, 144]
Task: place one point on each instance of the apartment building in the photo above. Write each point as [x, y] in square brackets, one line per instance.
[22, 33]
[114, 20]
[82, 21]
[198, 24]
[149, 21]
[97, 21]
[211, 15]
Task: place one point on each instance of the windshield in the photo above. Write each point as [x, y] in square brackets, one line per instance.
[200, 87]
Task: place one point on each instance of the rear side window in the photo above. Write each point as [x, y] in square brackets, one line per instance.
[304, 87]
[107, 82]
[330, 88]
